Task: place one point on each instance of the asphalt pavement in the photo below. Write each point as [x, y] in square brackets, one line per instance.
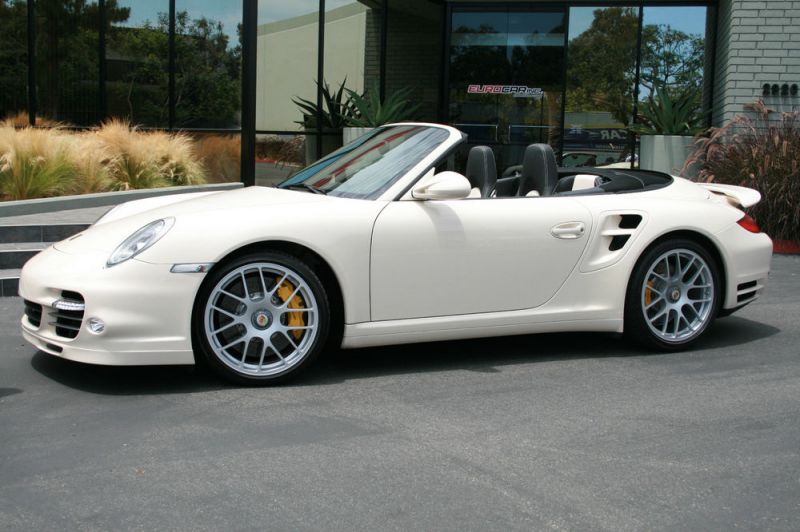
[548, 432]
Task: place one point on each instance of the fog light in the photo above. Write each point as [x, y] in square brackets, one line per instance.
[96, 325]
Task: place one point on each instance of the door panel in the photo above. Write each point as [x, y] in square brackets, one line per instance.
[444, 258]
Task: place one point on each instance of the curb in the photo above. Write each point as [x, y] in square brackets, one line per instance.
[786, 247]
[101, 199]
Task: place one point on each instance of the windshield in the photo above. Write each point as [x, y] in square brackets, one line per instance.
[367, 167]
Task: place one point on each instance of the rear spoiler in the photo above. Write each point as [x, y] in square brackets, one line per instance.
[739, 196]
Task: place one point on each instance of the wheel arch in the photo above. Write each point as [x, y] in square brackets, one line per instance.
[314, 260]
[701, 239]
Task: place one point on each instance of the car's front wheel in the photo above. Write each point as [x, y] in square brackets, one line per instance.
[261, 318]
[673, 295]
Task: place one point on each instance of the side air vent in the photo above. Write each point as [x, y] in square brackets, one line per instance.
[612, 238]
[748, 291]
[618, 242]
[621, 234]
[629, 221]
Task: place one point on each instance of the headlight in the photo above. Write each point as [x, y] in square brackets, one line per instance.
[140, 241]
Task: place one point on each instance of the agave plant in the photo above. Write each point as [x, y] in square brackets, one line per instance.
[667, 113]
[336, 108]
[370, 111]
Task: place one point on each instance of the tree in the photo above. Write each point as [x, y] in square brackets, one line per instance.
[207, 78]
[671, 58]
[602, 64]
[13, 57]
[68, 68]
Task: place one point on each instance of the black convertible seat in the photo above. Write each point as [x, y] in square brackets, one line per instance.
[481, 170]
[539, 170]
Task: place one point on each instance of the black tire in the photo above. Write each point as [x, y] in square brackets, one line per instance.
[643, 331]
[220, 360]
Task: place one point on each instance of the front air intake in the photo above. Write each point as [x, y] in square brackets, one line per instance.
[68, 314]
[33, 311]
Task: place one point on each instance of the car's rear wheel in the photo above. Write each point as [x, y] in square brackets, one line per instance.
[673, 296]
[262, 318]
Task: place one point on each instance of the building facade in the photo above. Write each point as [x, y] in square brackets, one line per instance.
[574, 74]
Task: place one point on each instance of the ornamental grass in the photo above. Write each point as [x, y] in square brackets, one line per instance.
[34, 164]
[220, 156]
[46, 162]
[759, 150]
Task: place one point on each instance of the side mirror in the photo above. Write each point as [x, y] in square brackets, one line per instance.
[443, 186]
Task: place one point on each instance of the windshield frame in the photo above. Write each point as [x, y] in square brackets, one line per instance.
[396, 189]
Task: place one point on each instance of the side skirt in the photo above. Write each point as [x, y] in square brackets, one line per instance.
[461, 327]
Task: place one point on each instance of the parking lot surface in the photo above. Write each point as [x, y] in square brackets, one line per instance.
[563, 432]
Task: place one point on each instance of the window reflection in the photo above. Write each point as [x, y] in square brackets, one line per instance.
[506, 75]
[279, 157]
[67, 41]
[220, 156]
[208, 59]
[601, 78]
[672, 68]
[287, 63]
[13, 60]
[137, 63]
[414, 53]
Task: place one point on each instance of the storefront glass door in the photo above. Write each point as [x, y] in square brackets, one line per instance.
[506, 78]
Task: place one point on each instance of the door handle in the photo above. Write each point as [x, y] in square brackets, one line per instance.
[568, 230]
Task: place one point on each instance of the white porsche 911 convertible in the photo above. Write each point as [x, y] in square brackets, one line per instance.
[382, 242]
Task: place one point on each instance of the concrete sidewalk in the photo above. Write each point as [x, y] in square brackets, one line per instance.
[74, 216]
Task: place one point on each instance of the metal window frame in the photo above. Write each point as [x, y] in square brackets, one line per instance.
[249, 24]
[317, 133]
[248, 130]
[710, 37]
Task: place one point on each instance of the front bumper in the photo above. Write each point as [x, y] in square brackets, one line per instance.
[146, 309]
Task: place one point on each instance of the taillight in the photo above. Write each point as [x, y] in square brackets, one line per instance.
[748, 223]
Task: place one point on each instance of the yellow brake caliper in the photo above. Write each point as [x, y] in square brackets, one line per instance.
[648, 293]
[296, 319]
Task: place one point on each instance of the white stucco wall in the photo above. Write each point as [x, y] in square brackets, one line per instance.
[287, 62]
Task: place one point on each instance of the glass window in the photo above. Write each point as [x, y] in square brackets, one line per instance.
[673, 49]
[367, 167]
[208, 64]
[14, 61]
[506, 75]
[67, 74]
[219, 154]
[413, 53]
[672, 65]
[352, 55]
[137, 65]
[287, 64]
[601, 77]
[352, 44]
[281, 156]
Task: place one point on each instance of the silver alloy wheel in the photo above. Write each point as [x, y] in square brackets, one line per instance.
[678, 295]
[261, 319]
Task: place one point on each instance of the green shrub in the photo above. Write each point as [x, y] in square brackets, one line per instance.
[759, 150]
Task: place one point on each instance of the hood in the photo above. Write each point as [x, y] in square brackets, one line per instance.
[176, 204]
[123, 220]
